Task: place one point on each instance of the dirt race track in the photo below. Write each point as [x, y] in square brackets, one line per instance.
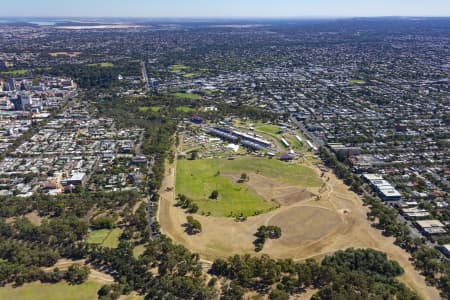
[312, 227]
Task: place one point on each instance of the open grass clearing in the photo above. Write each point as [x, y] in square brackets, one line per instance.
[299, 175]
[138, 250]
[57, 291]
[150, 108]
[185, 109]
[189, 75]
[197, 179]
[97, 236]
[268, 129]
[179, 67]
[102, 65]
[187, 96]
[357, 81]
[112, 240]
[19, 72]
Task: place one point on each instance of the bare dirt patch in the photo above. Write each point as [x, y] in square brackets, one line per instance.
[65, 54]
[272, 190]
[34, 218]
[95, 275]
[305, 223]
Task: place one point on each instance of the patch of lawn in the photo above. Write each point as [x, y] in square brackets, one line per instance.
[112, 240]
[97, 236]
[138, 250]
[295, 144]
[268, 129]
[185, 109]
[178, 67]
[188, 75]
[197, 179]
[102, 65]
[19, 72]
[57, 291]
[187, 96]
[151, 108]
[357, 81]
[294, 174]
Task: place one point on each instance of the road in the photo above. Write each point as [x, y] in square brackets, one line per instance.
[315, 140]
[145, 76]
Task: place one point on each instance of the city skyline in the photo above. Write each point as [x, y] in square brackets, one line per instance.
[224, 9]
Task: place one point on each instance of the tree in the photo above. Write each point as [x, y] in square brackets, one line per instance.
[193, 226]
[214, 195]
[193, 208]
[232, 292]
[194, 155]
[77, 274]
[277, 294]
[244, 177]
[265, 232]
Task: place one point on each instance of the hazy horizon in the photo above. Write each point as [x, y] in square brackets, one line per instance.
[198, 9]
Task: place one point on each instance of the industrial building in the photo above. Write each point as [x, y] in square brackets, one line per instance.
[383, 188]
[234, 136]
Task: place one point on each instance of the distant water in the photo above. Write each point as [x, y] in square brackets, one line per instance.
[34, 22]
[42, 23]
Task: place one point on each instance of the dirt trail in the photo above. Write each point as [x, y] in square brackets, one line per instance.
[312, 228]
[95, 275]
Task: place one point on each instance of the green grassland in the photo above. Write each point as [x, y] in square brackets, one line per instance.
[102, 65]
[58, 291]
[19, 72]
[186, 96]
[197, 179]
[97, 236]
[151, 108]
[268, 129]
[105, 237]
[179, 67]
[185, 109]
[295, 144]
[294, 174]
[112, 240]
[189, 75]
[138, 250]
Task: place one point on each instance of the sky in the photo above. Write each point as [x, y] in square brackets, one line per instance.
[223, 8]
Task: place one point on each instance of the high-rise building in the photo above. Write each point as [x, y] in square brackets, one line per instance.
[154, 84]
[12, 84]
